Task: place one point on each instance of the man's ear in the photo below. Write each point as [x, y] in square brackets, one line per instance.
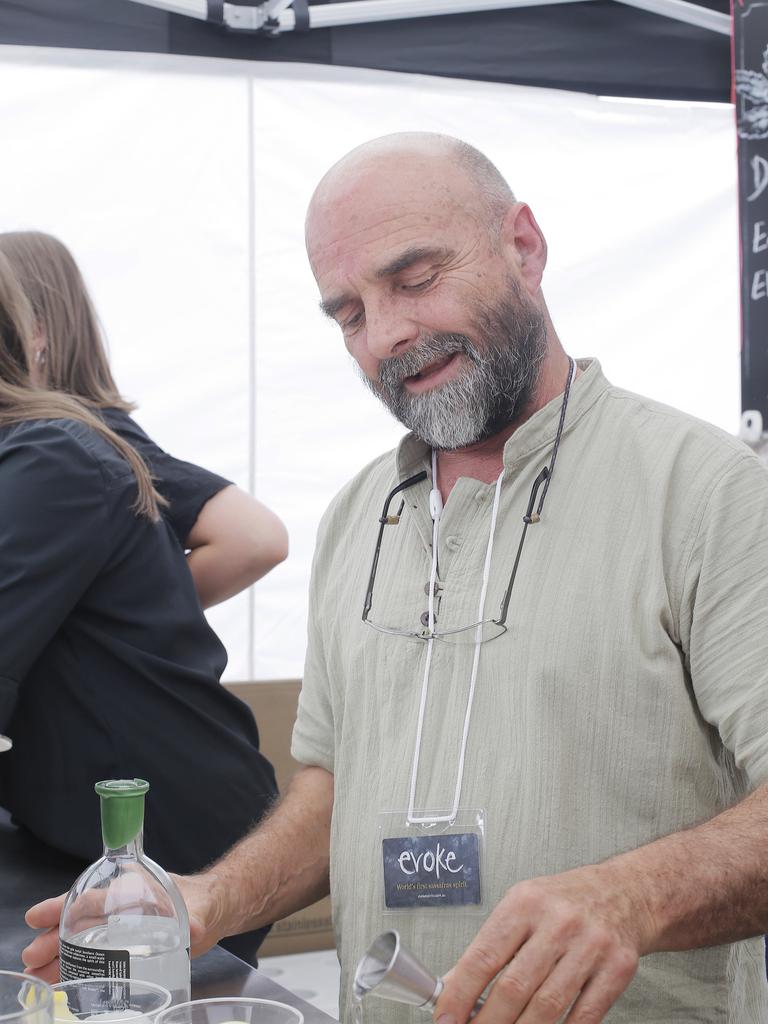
[522, 238]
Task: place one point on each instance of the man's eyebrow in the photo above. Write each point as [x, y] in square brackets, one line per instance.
[417, 254]
[332, 306]
[411, 256]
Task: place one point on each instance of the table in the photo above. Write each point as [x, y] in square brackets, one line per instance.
[30, 872]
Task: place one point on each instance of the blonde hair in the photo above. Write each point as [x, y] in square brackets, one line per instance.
[21, 400]
[75, 357]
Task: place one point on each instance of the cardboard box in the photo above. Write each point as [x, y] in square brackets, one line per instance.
[274, 705]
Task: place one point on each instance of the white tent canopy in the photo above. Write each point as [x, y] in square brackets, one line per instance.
[181, 184]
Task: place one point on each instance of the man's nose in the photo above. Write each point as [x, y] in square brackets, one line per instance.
[389, 331]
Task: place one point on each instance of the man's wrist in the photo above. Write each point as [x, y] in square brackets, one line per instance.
[633, 882]
[224, 911]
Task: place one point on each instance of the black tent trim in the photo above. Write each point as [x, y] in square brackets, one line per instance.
[595, 46]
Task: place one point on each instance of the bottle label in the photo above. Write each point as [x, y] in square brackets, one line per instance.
[87, 962]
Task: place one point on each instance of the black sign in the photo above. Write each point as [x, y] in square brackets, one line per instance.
[432, 871]
[750, 25]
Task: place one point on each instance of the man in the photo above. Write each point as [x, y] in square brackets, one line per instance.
[570, 695]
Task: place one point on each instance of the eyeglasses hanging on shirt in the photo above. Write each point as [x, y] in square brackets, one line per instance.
[468, 824]
[484, 629]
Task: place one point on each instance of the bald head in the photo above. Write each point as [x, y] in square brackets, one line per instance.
[413, 163]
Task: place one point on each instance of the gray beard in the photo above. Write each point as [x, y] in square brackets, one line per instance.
[499, 378]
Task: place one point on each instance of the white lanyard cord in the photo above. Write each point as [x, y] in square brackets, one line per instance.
[428, 662]
[436, 513]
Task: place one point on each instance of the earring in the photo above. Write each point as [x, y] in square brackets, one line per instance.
[40, 357]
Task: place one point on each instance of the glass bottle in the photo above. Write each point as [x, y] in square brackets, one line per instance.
[124, 917]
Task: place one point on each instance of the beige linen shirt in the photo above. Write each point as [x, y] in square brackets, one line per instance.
[628, 699]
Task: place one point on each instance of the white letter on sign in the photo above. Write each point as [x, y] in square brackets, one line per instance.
[760, 285]
[759, 176]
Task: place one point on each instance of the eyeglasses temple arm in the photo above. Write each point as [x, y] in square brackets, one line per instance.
[528, 519]
[558, 436]
[416, 479]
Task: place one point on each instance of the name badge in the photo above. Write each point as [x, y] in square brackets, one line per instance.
[435, 871]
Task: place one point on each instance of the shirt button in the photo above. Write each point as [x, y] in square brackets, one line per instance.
[424, 619]
[453, 543]
[437, 590]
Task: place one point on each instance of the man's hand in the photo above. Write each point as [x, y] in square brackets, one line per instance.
[41, 956]
[277, 869]
[569, 940]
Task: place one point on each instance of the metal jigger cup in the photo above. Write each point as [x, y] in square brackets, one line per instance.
[389, 971]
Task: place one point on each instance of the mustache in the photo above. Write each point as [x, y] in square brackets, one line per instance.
[393, 371]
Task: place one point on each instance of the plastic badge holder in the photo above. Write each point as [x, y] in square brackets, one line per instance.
[432, 868]
[231, 1011]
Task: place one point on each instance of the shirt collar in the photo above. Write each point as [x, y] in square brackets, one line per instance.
[538, 431]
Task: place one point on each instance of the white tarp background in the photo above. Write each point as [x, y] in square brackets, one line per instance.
[181, 184]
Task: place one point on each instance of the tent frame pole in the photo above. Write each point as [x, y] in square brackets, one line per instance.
[680, 10]
[275, 16]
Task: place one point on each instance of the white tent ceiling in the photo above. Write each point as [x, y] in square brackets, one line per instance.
[181, 186]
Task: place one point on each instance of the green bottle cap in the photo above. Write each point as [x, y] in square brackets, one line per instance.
[122, 810]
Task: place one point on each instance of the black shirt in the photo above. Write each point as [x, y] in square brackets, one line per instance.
[108, 668]
[187, 487]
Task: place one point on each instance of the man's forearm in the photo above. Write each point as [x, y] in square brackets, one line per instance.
[706, 885]
[574, 939]
[282, 865]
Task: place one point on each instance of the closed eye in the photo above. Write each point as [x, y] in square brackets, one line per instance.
[420, 285]
[352, 322]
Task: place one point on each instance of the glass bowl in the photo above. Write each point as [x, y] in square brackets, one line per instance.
[24, 999]
[231, 1011]
[108, 1001]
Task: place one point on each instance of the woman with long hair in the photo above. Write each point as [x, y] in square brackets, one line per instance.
[232, 538]
[108, 668]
